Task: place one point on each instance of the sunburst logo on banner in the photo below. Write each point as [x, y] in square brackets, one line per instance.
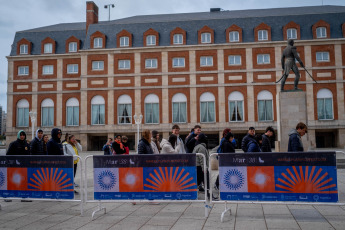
[107, 180]
[53, 179]
[170, 179]
[305, 179]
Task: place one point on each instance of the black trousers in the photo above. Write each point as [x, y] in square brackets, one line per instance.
[75, 169]
[200, 176]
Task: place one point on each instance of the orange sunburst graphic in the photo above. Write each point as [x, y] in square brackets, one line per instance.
[310, 180]
[170, 179]
[50, 179]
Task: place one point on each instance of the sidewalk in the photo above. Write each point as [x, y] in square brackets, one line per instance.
[57, 215]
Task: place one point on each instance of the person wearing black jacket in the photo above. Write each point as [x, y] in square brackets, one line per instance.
[295, 138]
[54, 146]
[249, 137]
[118, 146]
[192, 138]
[227, 145]
[144, 146]
[36, 145]
[19, 146]
[266, 139]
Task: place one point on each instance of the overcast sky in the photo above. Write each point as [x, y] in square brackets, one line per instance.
[17, 15]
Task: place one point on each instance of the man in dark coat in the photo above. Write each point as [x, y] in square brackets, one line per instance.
[227, 146]
[192, 138]
[247, 138]
[295, 138]
[19, 146]
[54, 146]
[288, 63]
[266, 139]
[36, 145]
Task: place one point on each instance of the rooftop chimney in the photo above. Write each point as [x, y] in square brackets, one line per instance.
[215, 9]
[91, 14]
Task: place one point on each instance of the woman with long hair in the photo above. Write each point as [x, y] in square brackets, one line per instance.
[72, 148]
[144, 146]
[170, 145]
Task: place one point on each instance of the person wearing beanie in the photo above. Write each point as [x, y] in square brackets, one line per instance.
[201, 147]
[54, 146]
[36, 145]
[155, 142]
[19, 146]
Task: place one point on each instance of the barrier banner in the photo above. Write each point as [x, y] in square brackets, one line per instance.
[305, 177]
[48, 177]
[152, 177]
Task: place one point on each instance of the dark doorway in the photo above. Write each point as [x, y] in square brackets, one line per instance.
[97, 142]
[212, 140]
[325, 139]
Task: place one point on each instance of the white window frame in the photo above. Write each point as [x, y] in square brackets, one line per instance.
[151, 40]
[124, 64]
[98, 42]
[97, 101]
[97, 65]
[234, 59]
[178, 62]
[23, 49]
[323, 56]
[236, 97]
[291, 33]
[262, 57]
[265, 96]
[178, 39]
[124, 41]
[73, 67]
[208, 61]
[72, 47]
[207, 98]
[262, 35]
[48, 48]
[151, 63]
[206, 38]
[325, 94]
[151, 99]
[48, 70]
[23, 70]
[181, 100]
[321, 32]
[23, 105]
[234, 36]
[124, 100]
[72, 103]
[47, 103]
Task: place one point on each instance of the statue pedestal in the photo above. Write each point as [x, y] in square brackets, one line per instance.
[291, 109]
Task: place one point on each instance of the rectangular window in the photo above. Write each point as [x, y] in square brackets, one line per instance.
[72, 115]
[98, 65]
[322, 56]
[124, 41]
[234, 36]
[23, 70]
[206, 38]
[48, 69]
[124, 64]
[178, 62]
[325, 108]
[22, 117]
[97, 42]
[23, 49]
[207, 112]
[98, 114]
[72, 47]
[48, 48]
[263, 59]
[151, 113]
[262, 35]
[72, 68]
[206, 61]
[47, 116]
[124, 113]
[321, 32]
[291, 33]
[179, 112]
[234, 60]
[151, 40]
[178, 39]
[236, 110]
[150, 63]
[265, 110]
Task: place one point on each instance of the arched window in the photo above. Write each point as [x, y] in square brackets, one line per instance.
[151, 109]
[207, 108]
[179, 108]
[124, 110]
[236, 106]
[325, 104]
[265, 106]
[72, 112]
[97, 110]
[23, 113]
[47, 113]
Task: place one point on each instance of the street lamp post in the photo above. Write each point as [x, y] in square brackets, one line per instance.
[137, 120]
[108, 7]
[33, 115]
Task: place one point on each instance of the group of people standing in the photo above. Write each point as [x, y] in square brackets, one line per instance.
[118, 146]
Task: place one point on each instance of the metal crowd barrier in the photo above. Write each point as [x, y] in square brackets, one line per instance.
[100, 202]
[226, 202]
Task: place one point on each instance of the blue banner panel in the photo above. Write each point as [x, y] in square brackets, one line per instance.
[150, 177]
[45, 177]
[304, 177]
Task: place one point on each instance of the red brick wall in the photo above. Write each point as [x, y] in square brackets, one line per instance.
[97, 57]
[71, 61]
[90, 95]
[269, 51]
[185, 76]
[233, 27]
[292, 25]
[178, 54]
[156, 55]
[41, 63]
[206, 29]
[158, 83]
[64, 85]
[45, 83]
[144, 93]
[116, 84]
[91, 13]
[241, 52]
[17, 98]
[256, 76]
[321, 23]
[104, 85]
[178, 30]
[172, 92]
[29, 89]
[72, 39]
[228, 91]
[200, 53]
[214, 81]
[257, 90]
[124, 56]
[40, 98]
[323, 48]
[24, 41]
[243, 80]
[117, 94]
[65, 98]
[262, 26]
[16, 64]
[199, 92]
[97, 34]
[48, 40]
[333, 88]
[151, 32]
[124, 33]
[332, 71]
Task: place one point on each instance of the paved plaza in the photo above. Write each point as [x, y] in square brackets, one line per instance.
[66, 215]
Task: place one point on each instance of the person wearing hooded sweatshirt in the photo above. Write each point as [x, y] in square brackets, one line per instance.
[200, 147]
[170, 146]
[54, 146]
[36, 145]
[19, 146]
[144, 146]
[254, 144]
[295, 138]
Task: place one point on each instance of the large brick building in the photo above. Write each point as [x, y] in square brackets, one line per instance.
[217, 69]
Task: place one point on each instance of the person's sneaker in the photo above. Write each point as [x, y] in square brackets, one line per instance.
[76, 185]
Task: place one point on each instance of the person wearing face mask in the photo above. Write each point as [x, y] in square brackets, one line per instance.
[19, 146]
[36, 145]
[54, 146]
